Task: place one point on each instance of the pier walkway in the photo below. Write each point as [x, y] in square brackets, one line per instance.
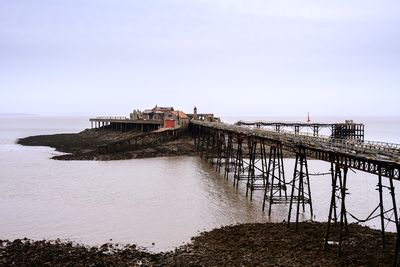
[336, 130]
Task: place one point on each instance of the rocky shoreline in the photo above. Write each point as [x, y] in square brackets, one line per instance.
[269, 244]
[84, 145]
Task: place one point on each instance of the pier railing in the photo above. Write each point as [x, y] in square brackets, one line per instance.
[113, 118]
[380, 150]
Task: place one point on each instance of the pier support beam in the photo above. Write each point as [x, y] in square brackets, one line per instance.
[229, 160]
[275, 190]
[221, 151]
[396, 221]
[339, 180]
[301, 184]
[338, 201]
[239, 166]
[251, 168]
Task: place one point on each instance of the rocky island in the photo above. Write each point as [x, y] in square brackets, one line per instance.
[85, 145]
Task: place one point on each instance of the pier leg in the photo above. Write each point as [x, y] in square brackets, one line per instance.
[309, 188]
[292, 193]
[276, 184]
[396, 220]
[251, 172]
[228, 157]
[300, 194]
[263, 162]
[382, 214]
[301, 176]
[238, 163]
[332, 205]
[267, 178]
[282, 179]
[343, 208]
[220, 151]
[273, 148]
[212, 149]
[207, 151]
[338, 187]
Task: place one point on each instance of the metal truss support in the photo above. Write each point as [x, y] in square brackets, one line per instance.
[381, 209]
[221, 151]
[210, 147]
[251, 167]
[239, 165]
[275, 190]
[390, 215]
[205, 146]
[315, 130]
[257, 179]
[201, 142]
[301, 184]
[339, 180]
[229, 160]
[238, 162]
[396, 221]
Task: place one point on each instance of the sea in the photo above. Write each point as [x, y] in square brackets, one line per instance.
[157, 203]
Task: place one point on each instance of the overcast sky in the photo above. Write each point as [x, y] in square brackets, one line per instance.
[246, 57]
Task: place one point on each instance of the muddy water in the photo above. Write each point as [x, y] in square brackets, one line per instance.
[163, 201]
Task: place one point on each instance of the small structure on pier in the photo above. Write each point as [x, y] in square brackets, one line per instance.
[348, 130]
[208, 117]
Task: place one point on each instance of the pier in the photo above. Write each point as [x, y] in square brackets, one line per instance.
[252, 153]
[125, 124]
[254, 156]
[345, 130]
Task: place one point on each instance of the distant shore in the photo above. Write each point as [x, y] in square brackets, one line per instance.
[269, 244]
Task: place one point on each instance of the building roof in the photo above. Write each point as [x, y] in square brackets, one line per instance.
[180, 114]
[152, 111]
[163, 109]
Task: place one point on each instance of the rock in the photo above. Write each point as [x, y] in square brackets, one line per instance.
[266, 244]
